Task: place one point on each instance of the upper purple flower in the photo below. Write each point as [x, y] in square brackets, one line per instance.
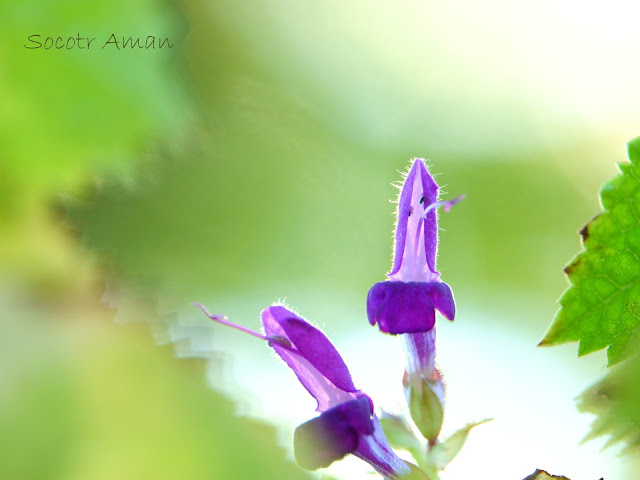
[406, 303]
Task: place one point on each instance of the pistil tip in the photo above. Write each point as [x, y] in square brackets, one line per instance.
[451, 203]
[215, 318]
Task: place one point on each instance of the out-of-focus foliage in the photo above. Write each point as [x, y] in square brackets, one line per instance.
[67, 115]
[90, 399]
[66, 112]
[602, 307]
[614, 400]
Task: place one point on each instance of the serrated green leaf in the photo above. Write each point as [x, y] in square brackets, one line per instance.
[442, 453]
[601, 308]
[614, 400]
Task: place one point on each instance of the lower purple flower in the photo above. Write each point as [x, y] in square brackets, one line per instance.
[346, 424]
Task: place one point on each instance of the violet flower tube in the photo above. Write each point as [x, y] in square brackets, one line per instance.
[406, 302]
[346, 424]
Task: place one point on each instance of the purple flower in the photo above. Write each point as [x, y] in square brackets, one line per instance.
[406, 303]
[346, 423]
[332, 435]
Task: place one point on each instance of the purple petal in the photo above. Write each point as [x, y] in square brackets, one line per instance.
[413, 201]
[403, 212]
[376, 451]
[334, 434]
[312, 357]
[429, 195]
[408, 307]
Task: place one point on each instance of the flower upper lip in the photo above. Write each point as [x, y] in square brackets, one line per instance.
[416, 239]
[416, 235]
[311, 356]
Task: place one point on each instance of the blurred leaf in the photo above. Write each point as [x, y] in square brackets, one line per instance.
[88, 108]
[615, 400]
[443, 452]
[602, 306]
[101, 401]
[68, 116]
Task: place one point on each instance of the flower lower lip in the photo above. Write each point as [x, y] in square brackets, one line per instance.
[408, 307]
[334, 434]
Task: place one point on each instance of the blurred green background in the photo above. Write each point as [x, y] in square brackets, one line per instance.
[254, 161]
